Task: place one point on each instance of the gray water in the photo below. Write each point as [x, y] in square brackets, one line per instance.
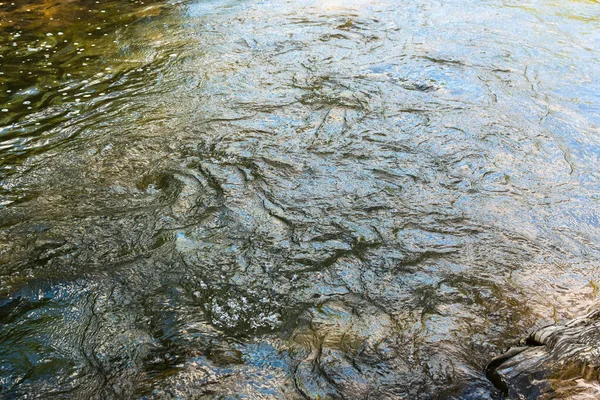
[276, 199]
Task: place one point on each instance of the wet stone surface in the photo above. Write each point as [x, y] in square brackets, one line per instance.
[554, 362]
[276, 199]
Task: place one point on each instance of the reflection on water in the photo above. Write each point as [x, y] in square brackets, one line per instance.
[280, 199]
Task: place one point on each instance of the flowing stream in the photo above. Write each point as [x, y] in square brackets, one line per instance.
[276, 199]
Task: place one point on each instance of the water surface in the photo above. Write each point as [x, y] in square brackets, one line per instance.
[278, 199]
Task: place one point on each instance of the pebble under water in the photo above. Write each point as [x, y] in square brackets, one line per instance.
[276, 199]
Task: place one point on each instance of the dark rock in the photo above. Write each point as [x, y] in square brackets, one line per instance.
[555, 362]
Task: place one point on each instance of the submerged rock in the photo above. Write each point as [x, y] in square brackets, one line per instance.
[555, 362]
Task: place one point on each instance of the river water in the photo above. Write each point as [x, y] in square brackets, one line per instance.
[291, 199]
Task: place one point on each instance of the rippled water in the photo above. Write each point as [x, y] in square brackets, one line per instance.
[278, 199]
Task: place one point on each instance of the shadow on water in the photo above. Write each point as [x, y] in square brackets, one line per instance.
[60, 59]
[326, 199]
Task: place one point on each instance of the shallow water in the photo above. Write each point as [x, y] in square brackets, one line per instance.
[277, 199]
